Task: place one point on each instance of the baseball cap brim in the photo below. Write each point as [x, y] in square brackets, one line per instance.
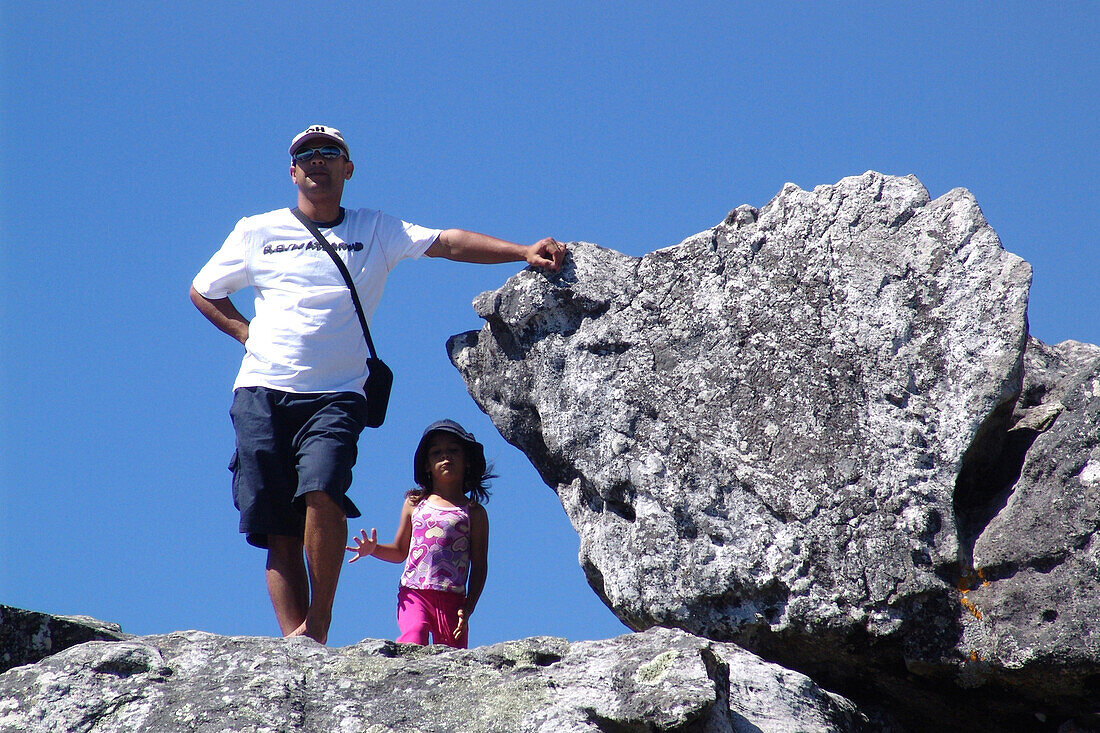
[319, 132]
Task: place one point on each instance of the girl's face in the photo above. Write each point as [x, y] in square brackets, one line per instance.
[446, 459]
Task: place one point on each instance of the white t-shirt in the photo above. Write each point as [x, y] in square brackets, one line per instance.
[305, 336]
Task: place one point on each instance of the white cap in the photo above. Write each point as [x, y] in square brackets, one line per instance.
[319, 132]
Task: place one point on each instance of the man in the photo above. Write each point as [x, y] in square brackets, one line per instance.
[298, 405]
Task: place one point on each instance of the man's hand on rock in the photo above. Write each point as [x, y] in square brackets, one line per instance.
[546, 253]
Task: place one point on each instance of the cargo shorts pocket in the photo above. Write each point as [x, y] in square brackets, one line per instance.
[233, 464]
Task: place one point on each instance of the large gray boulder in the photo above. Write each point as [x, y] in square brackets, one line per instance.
[789, 431]
[661, 680]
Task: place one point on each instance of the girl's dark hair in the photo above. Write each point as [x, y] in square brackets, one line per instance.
[476, 487]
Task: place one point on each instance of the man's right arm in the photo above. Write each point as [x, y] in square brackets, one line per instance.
[223, 314]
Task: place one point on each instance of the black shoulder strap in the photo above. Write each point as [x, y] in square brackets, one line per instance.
[308, 223]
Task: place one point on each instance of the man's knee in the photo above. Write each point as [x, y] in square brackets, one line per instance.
[319, 501]
[284, 552]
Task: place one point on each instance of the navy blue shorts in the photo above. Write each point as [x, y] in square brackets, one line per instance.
[287, 446]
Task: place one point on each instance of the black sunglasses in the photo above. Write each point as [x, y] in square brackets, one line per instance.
[328, 152]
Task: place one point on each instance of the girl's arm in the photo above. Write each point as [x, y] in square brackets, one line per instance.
[395, 551]
[479, 568]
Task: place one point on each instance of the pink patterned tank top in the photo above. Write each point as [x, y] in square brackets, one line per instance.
[439, 551]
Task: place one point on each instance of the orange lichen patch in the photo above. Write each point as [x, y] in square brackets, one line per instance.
[974, 656]
[970, 607]
[971, 580]
[966, 584]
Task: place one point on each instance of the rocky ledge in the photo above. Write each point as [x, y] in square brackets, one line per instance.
[660, 680]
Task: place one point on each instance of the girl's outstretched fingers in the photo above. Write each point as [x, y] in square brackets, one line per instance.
[365, 546]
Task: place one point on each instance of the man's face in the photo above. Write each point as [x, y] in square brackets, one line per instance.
[318, 174]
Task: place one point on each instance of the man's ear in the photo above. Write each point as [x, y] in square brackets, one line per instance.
[348, 170]
[292, 177]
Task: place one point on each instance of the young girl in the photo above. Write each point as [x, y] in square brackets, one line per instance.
[442, 537]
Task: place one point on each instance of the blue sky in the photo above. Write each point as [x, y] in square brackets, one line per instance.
[139, 133]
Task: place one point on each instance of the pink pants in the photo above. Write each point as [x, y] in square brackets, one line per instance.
[420, 611]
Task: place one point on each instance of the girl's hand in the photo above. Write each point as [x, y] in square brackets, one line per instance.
[365, 546]
[460, 627]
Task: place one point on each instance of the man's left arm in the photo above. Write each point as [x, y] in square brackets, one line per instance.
[464, 246]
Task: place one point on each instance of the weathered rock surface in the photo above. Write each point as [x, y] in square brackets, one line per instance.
[28, 636]
[793, 431]
[1034, 596]
[661, 680]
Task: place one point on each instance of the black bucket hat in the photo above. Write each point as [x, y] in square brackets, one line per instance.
[475, 450]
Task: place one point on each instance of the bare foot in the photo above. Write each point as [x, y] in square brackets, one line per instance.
[321, 637]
